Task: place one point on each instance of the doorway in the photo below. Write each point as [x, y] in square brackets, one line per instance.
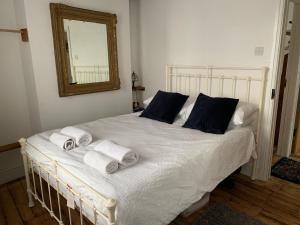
[287, 134]
[296, 139]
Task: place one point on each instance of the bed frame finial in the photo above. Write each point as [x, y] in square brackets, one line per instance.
[22, 142]
[111, 206]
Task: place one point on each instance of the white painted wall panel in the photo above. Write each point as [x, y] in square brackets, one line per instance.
[14, 111]
[193, 32]
[14, 115]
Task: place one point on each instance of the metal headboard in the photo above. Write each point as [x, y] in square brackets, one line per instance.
[245, 83]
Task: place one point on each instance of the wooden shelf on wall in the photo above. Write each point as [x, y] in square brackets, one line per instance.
[9, 147]
[138, 88]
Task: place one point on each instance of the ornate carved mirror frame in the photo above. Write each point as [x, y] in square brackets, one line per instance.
[59, 12]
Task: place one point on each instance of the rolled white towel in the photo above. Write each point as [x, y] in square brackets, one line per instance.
[82, 138]
[65, 142]
[101, 162]
[123, 155]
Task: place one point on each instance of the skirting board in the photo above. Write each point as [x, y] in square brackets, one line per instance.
[11, 174]
[247, 169]
[11, 166]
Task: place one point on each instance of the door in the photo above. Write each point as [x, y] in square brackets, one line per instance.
[296, 149]
[280, 100]
[292, 90]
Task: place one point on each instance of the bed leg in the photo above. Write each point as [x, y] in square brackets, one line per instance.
[22, 142]
[111, 207]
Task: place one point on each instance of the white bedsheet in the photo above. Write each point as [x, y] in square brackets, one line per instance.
[176, 167]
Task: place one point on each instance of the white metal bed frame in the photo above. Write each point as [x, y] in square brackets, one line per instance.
[32, 166]
[185, 79]
[212, 80]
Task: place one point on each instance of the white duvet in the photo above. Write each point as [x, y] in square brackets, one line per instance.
[177, 166]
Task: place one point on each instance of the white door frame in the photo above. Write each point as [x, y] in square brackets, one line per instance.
[290, 100]
[263, 171]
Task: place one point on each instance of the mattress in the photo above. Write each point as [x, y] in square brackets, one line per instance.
[177, 166]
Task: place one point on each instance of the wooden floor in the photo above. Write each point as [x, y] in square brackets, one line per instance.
[273, 202]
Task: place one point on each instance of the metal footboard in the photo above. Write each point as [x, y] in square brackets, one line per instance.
[35, 171]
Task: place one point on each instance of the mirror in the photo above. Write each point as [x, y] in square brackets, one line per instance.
[85, 49]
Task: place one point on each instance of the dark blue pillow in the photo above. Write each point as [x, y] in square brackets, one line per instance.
[165, 106]
[211, 115]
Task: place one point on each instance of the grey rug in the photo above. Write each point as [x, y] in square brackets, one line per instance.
[223, 215]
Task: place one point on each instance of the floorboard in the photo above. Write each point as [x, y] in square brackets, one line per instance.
[9, 209]
[276, 202]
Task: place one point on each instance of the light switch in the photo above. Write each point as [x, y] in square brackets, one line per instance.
[259, 51]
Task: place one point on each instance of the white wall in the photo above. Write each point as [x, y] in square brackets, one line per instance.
[135, 47]
[54, 111]
[14, 113]
[135, 36]
[27, 69]
[214, 32]
[14, 117]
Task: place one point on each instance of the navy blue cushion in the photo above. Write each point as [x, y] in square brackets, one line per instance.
[211, 115]
[165, 106]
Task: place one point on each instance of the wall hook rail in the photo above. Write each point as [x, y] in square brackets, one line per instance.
[23, 32]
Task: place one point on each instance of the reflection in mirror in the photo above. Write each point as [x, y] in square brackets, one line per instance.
[87, 52]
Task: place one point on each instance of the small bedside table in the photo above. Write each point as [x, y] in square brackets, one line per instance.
[135, 104]
[140, 109]
[138, 88]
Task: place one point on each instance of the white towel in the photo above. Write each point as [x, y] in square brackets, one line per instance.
[65, 142]
[82, 138]
[101, 162]
[123, 155]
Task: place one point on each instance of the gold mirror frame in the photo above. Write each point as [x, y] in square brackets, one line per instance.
[59, 12]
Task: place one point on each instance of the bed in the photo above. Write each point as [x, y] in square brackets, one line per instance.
[177, 166]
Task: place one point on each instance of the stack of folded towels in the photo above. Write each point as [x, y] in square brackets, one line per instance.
[108, 157]
[103, 155]
[69, 137]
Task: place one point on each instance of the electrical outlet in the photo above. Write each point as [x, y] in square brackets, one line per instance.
[259, 51]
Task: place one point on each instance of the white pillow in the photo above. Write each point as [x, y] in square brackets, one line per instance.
[187, 111]
[147, 101]
[242, 113]
[241, 117]
[251, 121]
